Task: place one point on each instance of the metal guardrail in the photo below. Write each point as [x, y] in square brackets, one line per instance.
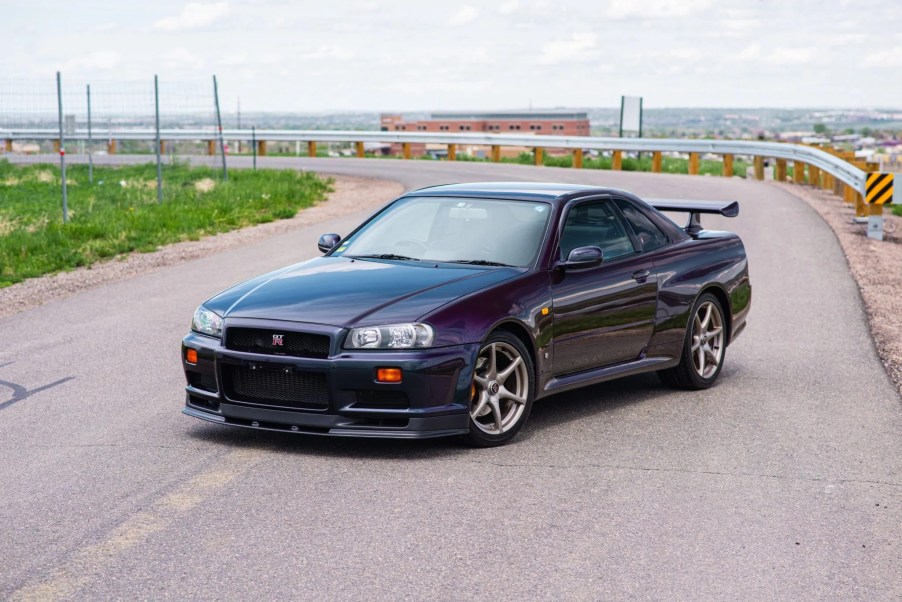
[822, 160]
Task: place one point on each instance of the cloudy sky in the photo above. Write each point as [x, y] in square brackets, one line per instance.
[325, 55]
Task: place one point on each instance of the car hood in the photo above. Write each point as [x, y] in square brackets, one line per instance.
[345, 292]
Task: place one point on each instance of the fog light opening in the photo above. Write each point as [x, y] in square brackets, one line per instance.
[191, 356]
[388, 375]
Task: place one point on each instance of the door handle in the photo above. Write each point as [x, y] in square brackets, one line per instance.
[641, 276]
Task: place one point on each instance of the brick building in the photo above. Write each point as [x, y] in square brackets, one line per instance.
[548, 122]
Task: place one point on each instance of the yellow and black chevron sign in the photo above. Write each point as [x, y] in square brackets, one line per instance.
[879, 189]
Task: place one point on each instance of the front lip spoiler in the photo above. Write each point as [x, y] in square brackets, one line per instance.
[386, 433]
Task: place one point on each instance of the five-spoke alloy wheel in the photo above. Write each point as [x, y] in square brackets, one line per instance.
[501, 393]
[704, 347]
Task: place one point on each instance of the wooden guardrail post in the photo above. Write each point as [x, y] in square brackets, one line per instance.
[798, 172]
[211, 147]
[728, 166]
[9, 145]
[578, 158]
[780, 171]
[759, 167]
[162, 147]
[405, 150]
[826, 181]
[496, 153]
[56, 146]
[693, 164]
[538, 153]
[814, 176]
[361, 152]
[452, 152]
[261, 148]
[311, 148]
[111, 147]
[617, 160]
[656, 161]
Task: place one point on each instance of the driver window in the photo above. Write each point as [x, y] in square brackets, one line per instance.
[595, 224]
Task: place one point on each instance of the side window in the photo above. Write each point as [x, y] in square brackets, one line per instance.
[596, 224]
[650, 236]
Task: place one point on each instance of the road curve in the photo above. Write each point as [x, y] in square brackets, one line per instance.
[782, 482]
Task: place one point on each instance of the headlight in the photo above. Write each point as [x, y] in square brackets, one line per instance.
[207, 322]
[393, 336]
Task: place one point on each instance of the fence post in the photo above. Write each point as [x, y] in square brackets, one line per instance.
[405, 150]
[225, 173]
[452, 152]
[617, 160]
[578, 158]
[780, 171]
[693, 164]
[656, 160]
[361, 151]
[798, 172]
[496, 153]
[62, 148]
[90, 142]
[728, 166]
[759, 167]
[156, 104]
[311, 148]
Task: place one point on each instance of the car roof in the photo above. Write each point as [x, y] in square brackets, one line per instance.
[525, 191]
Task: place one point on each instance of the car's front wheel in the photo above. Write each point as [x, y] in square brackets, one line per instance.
[703, 348]
[501, 394]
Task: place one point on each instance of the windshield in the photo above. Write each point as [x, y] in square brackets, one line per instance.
[442, 229]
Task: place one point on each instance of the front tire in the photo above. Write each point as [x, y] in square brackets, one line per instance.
[703, 349]
[502, 391]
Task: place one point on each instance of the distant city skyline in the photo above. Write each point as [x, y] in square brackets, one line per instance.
[409, 56]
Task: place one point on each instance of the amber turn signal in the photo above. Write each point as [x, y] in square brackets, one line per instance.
[388, 375]
[191, 356]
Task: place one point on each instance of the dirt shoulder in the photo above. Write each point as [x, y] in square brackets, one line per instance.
[350, 194]
[876, 267]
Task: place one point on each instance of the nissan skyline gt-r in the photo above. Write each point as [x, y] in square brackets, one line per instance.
[453, 308]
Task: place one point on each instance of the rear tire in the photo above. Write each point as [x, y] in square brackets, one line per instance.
[502, 390]
[704, 347]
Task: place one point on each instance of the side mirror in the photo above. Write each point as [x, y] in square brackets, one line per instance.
[327, 242]
[581, 258]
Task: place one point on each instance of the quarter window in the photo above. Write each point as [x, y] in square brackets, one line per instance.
[650, 236]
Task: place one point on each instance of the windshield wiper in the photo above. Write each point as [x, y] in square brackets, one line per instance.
[481, 262]
[383, 256]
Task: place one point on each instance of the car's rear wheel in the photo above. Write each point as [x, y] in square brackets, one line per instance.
[703, 349]
[501, 394]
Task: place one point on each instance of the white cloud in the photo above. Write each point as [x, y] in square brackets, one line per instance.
[98, 60]
[465, 15]
[234, 59]
[182, 58]
[194, 15]
[750, 52]
[508, 6]
[790, 56]
[330, 51]
[891, 57]
[685, 54]
[621, 9]
[559, 51]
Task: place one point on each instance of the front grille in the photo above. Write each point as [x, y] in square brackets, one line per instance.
[275, 386]
[260, 340]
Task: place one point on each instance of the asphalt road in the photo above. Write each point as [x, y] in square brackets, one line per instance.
[782, 482]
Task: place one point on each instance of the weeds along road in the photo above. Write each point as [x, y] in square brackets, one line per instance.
[782, 482]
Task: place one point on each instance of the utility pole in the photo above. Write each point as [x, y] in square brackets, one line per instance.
[59, 99]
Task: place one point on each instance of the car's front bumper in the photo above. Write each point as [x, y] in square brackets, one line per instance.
[430, 401]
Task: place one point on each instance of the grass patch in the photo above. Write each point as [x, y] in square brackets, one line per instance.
[119, 213]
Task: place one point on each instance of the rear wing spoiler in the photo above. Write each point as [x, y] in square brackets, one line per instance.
[695, 209]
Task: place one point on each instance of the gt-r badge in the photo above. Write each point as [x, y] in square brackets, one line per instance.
[277, 340]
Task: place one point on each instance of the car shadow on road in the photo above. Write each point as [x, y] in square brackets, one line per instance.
[548, 413]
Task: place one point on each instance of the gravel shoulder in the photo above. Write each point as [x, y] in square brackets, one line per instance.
[350, 194]
[876, 267]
